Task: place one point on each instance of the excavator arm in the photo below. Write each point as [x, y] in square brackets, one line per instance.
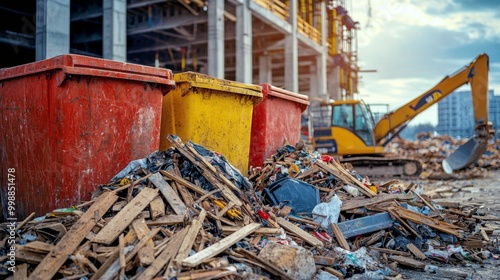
[475, 74]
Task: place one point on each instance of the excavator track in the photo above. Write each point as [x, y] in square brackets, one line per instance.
[377, 167]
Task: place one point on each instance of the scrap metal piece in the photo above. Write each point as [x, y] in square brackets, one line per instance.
[467, 154]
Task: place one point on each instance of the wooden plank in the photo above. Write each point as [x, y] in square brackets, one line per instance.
[311, 240]
[389, 251]
[425, 201]
[395, 215]
[373, 238]
[182, 181]
[141, 229]
[326, 261]
[217, 180]
[114, 270]
[408, 262]
[169, 194]
[336, 169]
[167, 220]
[202, 274]
[21, 272]
[205, 196]
[39, 247]
[185, 194]
[72, 239]
[200, 157]
[188, 242]
[146, 254]
[484, 235]
[447, 204]
[120, 222]
[220, 246]
[111, 265]
[339, 236]
[425, 220]
[157, 208]
[335, 272]
[164, 258]
[306, 221]
[357, 203]
[142, 242]
[121, 254]
[415, 251]
[271, 268]
[472, 244]
[231, 229]
[27, 256]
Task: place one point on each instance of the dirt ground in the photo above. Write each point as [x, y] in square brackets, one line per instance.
[483, 193]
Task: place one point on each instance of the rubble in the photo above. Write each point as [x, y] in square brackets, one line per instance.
[432, 150]
[186, 213]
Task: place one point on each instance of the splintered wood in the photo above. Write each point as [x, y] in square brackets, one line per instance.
[185, 216]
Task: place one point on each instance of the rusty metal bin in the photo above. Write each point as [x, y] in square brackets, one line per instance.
[72, 122]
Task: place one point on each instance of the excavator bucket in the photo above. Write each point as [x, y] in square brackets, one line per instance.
[469, 153]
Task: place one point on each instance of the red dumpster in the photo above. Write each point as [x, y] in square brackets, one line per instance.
[71, 123]
[275, 119]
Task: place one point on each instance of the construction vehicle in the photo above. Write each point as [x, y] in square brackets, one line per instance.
[346, 128]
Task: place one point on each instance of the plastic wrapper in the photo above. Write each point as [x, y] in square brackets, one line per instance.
[328, 212]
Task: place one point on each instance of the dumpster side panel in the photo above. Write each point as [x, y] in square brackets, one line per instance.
[218, 120]
[25, 109]
[67, 130]
[105, 123]
[275, 120]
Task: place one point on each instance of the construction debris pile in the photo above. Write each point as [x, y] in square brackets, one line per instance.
[186, 213]
[432, 150]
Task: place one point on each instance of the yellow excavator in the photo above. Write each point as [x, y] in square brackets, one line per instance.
[346, 127]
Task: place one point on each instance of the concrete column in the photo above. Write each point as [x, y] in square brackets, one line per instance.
[291, 52]
[244, 67]
[114, 30]
[216, 39]
[334, 83]
[314, 86]
[321, 60]
[52, 28]
[265, 70]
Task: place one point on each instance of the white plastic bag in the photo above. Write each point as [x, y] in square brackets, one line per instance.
[330, 210]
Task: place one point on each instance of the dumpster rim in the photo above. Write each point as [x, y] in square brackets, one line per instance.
[79, 65]
[202, 79]
[269, 89]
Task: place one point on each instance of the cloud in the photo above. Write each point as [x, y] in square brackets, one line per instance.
[414, 44]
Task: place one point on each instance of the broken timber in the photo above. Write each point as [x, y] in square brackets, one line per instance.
[115, 227]
[220, 246]
[169, 194]
[311, 240]
[70, 241]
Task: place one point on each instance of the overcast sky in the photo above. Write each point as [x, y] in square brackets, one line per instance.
[413, 44]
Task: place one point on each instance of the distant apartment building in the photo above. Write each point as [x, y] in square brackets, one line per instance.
[456, 114]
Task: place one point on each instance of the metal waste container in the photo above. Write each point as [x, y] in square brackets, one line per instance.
[276, 119]
[214, 113]
[72, 122]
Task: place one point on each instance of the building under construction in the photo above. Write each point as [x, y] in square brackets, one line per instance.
[305, 46]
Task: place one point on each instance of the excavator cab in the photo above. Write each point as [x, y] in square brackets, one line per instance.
[347, 129]
[355, 117]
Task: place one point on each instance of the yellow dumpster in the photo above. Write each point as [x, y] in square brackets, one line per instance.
[212, 112]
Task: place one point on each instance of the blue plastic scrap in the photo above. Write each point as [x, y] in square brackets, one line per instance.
[366, 224]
